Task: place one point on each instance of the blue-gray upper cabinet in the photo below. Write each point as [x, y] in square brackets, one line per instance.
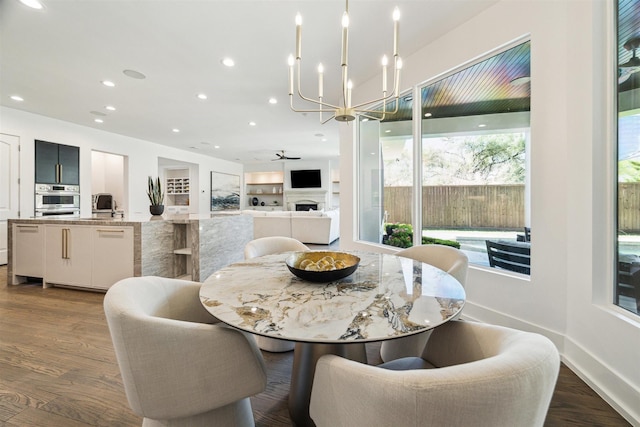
[57, 163]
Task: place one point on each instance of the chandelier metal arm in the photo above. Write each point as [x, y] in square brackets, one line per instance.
[325, 121]
[308, 111]
[384, 98]
[345, 111]
[393, 94]
[318, 102]
[374, 117]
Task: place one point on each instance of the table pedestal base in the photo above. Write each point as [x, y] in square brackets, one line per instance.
[305, 357]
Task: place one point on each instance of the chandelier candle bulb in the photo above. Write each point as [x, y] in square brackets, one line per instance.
[384, 73]
[398, 68]
[320, 71]
[298, 36]
[345, 36]
[396, 25]
[290, 74]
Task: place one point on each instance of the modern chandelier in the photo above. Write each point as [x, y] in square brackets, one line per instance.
[345, 111]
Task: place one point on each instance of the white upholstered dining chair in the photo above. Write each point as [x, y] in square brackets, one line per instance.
[179, 369]
[267, 246]
[470, 374]
[447, 258]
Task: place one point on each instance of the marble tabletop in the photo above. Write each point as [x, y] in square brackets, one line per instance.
[388, 296]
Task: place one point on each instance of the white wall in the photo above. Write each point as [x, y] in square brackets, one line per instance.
[328, 170]
[142, 159]
[567, 297]
[107, 176]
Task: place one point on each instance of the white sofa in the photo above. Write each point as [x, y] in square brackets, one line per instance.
[316, 227]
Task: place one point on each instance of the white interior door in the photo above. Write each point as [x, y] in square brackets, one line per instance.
[9, 188]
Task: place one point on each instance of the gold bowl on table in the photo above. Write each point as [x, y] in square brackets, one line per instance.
[322, 266]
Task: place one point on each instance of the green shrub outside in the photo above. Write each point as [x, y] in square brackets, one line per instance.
[401, 236]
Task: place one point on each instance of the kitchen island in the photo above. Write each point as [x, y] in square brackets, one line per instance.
[94, 253]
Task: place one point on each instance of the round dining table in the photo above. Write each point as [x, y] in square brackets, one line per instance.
[386, 297]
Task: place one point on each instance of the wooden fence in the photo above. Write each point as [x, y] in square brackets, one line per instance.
[489, 206]
[460, 206]
[629, 207]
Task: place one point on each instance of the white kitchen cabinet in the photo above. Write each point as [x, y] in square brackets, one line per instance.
[28, 251]
[68, 255]
[112, 255]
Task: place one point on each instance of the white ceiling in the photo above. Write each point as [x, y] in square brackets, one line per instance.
[55, 58]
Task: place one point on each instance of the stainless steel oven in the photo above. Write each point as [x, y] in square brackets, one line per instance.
[60, 201]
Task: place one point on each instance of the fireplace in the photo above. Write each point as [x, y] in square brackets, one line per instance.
[305, 199]
[306, 206]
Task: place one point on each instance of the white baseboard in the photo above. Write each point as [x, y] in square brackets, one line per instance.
[604, 380]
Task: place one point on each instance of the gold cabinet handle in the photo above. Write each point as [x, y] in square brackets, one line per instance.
[65, 243]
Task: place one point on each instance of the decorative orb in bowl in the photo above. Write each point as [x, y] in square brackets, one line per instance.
[322, 266]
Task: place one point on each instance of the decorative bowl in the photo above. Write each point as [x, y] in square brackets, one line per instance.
[322, 266]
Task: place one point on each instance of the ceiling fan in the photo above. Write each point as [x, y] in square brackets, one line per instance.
[281, 156]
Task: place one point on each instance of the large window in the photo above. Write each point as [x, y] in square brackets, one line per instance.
[386, 176]
[627, 288]
[472, 166]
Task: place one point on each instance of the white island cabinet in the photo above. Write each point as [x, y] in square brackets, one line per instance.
[112, 255]
[68, 255]
[95, 253]
[87, 256]
[28, 247]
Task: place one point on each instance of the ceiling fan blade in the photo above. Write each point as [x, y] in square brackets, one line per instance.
[281, 156]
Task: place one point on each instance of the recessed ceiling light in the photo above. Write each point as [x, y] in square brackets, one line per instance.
[428, 114]
[134, 74]
[228, 62]
[365, 120]
[252, 123]
[175, 130]
[17, 98]
[202, 96]
[110, 107]
[387, 131]
[482, 125]
[98, 120]
[324, 139]
[33, 4]
[216, 146]
[273, 101]
[108, 83]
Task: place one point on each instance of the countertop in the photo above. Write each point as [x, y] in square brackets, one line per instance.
[127, 220]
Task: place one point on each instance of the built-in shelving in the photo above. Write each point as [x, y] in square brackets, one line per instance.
[177, 185]
[264, 188]
[177, 191]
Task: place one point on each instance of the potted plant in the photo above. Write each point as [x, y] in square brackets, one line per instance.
[156, 196]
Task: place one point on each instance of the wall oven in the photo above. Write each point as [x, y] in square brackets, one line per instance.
[57, 201]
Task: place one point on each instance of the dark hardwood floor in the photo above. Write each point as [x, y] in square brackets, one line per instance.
[58, 369]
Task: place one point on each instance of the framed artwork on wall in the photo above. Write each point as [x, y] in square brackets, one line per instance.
[225, 191]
